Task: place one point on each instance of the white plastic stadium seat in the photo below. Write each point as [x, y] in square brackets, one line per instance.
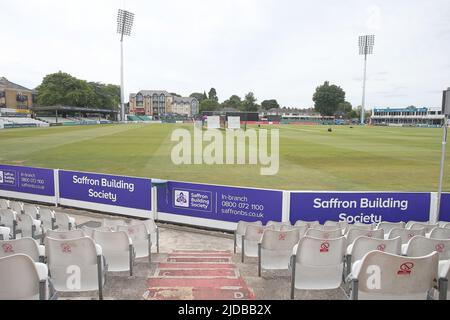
[275, 249]
[317, 264]
[250, 240]
[336, 224]
[64, 222]
[27, 246]
[140, 238]
[405, 234]
[410, 223]
[4, 204]
[385, 276]
[276, 225]
[89, 232]
[79, 256]
[363, 245]
[29, 227]
[444, 224]
[300, 229]
[22, 279]
[47, 216]
[117, 248]
[8, 218]
[240, 232]
[427, 227]
[388, 226]
[420, 246]
[4, 233]
[354, 233]
[309, 224]
[153, 229]
[16, 206]
[324, 234]
[439, 233]
[32, 210]
[113, 223]
[65, 235]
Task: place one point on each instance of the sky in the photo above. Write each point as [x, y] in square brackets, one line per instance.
[277, 49]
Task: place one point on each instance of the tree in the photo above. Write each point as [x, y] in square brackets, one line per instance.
[269, 104]
[327, 99]
[199, 96]
[212, 95]
[61, 88]
[344, 109]
[249, 103]
[208, 105]
[233, 102]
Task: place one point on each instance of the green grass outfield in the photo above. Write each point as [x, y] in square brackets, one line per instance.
[311, 158]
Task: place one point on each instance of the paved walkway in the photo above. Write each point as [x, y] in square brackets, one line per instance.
[198, 275]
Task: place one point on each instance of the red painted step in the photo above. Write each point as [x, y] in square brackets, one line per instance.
[199, 259]
[170, 265]
[196, 273]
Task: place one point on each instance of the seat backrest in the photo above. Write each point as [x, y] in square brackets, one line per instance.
[320, 252]
[7, 217]
[440, 233]
[242, 225]
[67, 252]
[421, 246]
[445, 224]
[358, 226]
[136, 232]
[254, 232]
[324, 234]
[16, 206]
[65, 235]
[300, 229]
[111, 241]
[405, 234]
[113, 222]
[354, 233]
[411, 222]
[26, 246]
[4, 204]
[31, 209]
[62, 220]
[362, 245]
[19, 278]
[427, 227]
[335, 224]
[279, 240]
[89, 232]
[150, 224]
[309, 224]
[277, 224]
[24, 222]
[398, 275]
[388, 226]
[46, 216]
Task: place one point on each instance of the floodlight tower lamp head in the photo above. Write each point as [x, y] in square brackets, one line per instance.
[366, 44]
[125, 21]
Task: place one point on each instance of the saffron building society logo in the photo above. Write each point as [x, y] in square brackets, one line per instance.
[182, 198]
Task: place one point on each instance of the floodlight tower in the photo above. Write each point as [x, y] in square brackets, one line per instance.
[366, 44]
[124, 25]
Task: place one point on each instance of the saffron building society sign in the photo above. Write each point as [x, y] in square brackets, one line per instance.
[359, 206]
[106, 189]
[36, 181]
[220, 203]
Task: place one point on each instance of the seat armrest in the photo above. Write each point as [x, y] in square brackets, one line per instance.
[42, 270]
[98, 249]
[294, 249]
